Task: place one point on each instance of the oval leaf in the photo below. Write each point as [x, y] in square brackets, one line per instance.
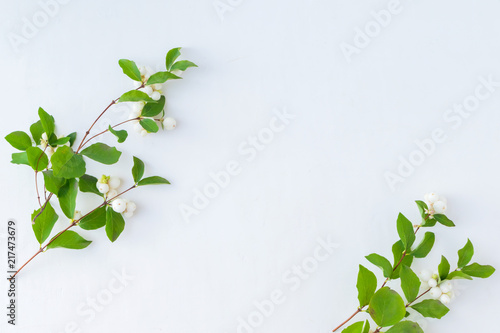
[405, 231]
[480, 271]
[94, 220]
[182, 65]
[465, 254]
[114, 224]
[19, 140]
[381, 263]
[387, 307]
[172, 55]
[153, 109]
[154, 180]
[162, 77]
[67, 164]
[67, 197]
[444, 268]
[20, 158]
[410, 283]
[102, 153]
[137, 170]
[44, 223]
[36, 131]
[47, 120]
[444, 220]
[130, 69]
[423, 249]
[354, 328]
[458, 275]
[405, 327]
[366, 285]
[37, 159]
[53, 183]
[431, 308]
[69, 240]
[135, 96]
[89, 184]
[149, 125]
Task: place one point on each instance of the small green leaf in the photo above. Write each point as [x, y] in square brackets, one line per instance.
[94, 220]
[61, 141]
[182, 65]
[67, 164]
[154, 180]
[137, 170]
[444, 220]
[149, 125]
[153, 109]
[69, 240]
[37, 159]
[67, 197]
[19, 140]
[405, 231]
[20, 158]
[465, 254]
[381, 263]
[89, 184]
[172, 55]
[130, 69]
[422, 207]
[47, 120]
[423, 249]
[366, 329]
[102, 153]
[53, 183]
[480, 271]
[162, 77]
[405, 327]
[366, 285]
[458, 275]
[72, 138]
[387, 307]
[135, 96]
[44, 222]
[429, 223]
[444, 268]
[354, 328]
[36, 130]
[410, 283]
[114, 224]
[431, 308]
[120, 135]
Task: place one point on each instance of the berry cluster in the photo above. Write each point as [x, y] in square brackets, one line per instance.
[436, 204]
[442, 290]
[108, 186]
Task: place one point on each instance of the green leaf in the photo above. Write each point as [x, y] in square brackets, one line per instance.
[20, 158]
[366, 285]
[137, 169]
[182, 65]
[153, 109]
[172, 55]
[423, 249]
[444, 268]
[130, 69]
[89, 184]
[458, 275]
[431, 308]
[19, 140]
[69, 240]
[37, 159]
[44, 222]
[354, 328]
[465, 254]
[154, 180]
[120, 135]
[366, 329]
[407, 261]
[397, 250]
[62, 141]
[72, 138]
[47, 120]
[162, 77]
[114, 224]
[135, 96]
[381, 263]
[410, 283]
[405, 327]
[36, 130]
[429, 223]
[405, 231]
[480, 271]
[67, 197]
[102, 153]
[94, 220]
[387, 307]
[149, 125]
[422, 207]
[53, 183]
[67, 164]
[52, 140]
[444, 220]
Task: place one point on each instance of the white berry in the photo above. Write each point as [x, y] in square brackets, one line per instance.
[425, 275]
[436, 292]
[103, 188]
[148, 90]
[432, 197]
[138, 128]
[445, 299]
[128, 214]
[144, 132]
[169, 123]
[119, 205]
[446, 286]
[137, 107]
[432, 283]
[157, 86]
[131, 207]
[114, 182]
[112, 193]
[44, 136]
[155, 95]
[439, 207]
[78, 215]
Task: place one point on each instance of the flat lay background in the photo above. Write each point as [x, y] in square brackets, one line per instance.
[334, 117]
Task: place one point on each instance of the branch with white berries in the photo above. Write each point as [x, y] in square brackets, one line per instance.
[385, 306]
[64, 168]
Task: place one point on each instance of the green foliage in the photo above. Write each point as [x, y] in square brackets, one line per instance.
[120, 135]
[36, 131]
[465, 254]
[114, 224]
[431, 308]
[381, 263]
[386, 307]
[444, 220]
[366, 285]
[149, 125]
[130, 69]
[19, 140]
[182, 65]
[135, 96]
[69, 240]
[89, 184]
[72, 139]
[354, 328]
[20, 158]
[67, 197]
[44, 223]
[162, 77]
[137, 170]
[410, 283]
[94, 220]
[444, 268]
[458, 275]
[102, 153]
[405, 231]
[53, 183]
[405, 327]
[37, 159]
[153, 109]
[480, 271]
[67, 164]
[423, 249]
[154, 180]
[47, 120]
[172, 55]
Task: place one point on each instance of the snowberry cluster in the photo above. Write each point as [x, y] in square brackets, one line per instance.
[437, 204]
[438, 290]
[108, 186]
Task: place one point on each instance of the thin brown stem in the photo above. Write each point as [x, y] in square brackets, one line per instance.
[107, 130]
[348, 319]
[422, 294]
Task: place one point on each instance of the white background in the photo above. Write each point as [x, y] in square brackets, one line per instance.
[322, 176]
